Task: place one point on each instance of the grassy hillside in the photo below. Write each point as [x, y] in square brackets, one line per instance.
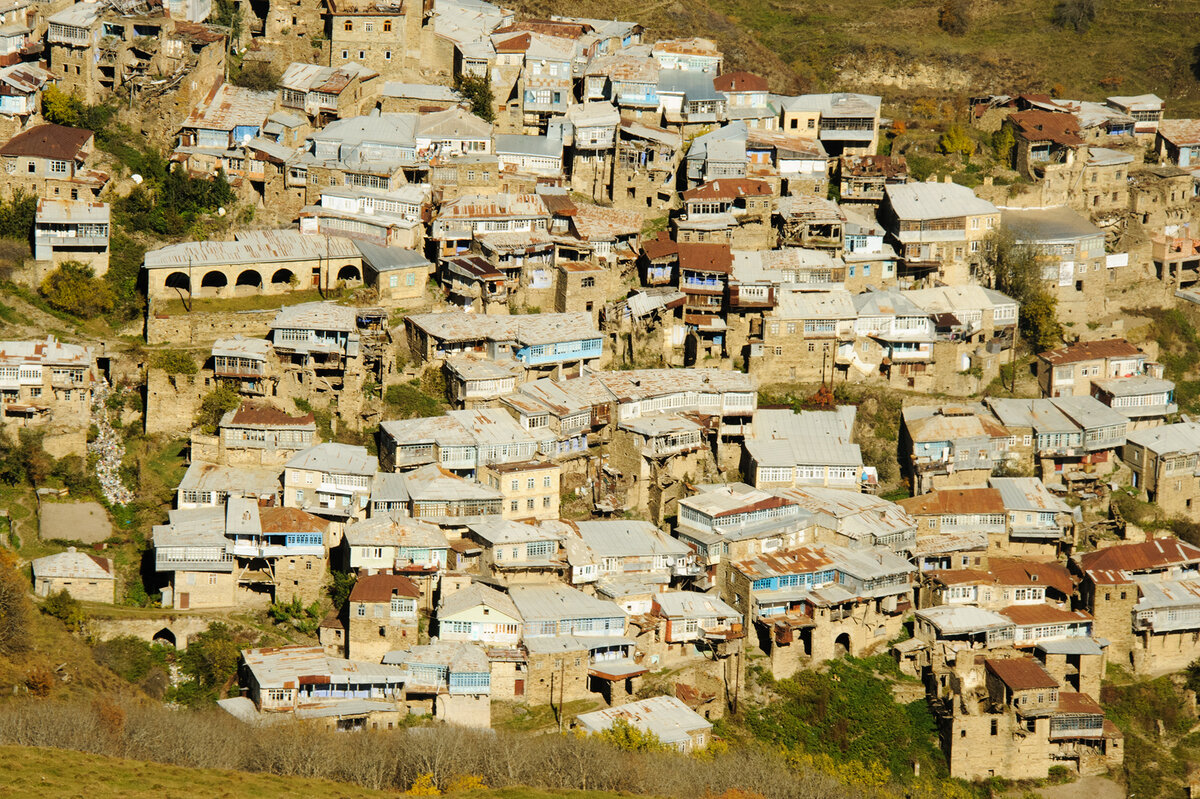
[51, 773]
[1133, 46]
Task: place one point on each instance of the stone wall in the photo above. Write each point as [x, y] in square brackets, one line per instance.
[206, 326]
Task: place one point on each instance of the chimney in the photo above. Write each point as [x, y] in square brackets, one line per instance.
[947, 179]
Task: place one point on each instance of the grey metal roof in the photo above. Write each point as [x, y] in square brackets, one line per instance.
[478, 594]
[457, 656]
[385, 259]
[630, 538]
[1070, 646]
[420, 91]
[556, 602]
[1027, 494]
[693, 605]
[335, 459]
[519, 144]
[781, 437]
[202, 476]
[1179, 437]
[914, 201]
[394, 530]
[316, 316]
[963, 619]
[1089, 412]
[1134, 386]
[274, 666]
[668, 718]
[73, 563]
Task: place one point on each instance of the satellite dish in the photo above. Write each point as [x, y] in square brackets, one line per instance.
[137, 179]
[221, 211]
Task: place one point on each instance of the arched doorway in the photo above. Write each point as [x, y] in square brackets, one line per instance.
[283, 277]
[179, 281]
[249, 279]
[350, 274]
[165, 636]
[214, 282]
[841, 645]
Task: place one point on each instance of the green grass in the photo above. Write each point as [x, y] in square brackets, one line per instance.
[533, 718]
[257, 302]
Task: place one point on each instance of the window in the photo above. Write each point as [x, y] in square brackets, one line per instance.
[362, 610]
[345, 54]
[349, 26]
[58, 167]
[546, 481]
[587, 282]
[361, 55]
[529, 483]
[545, 502]
[369, 27]
[387, 26]
[514, 506]
[529, 504]
[387, 55]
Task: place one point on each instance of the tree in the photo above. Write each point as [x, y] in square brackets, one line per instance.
[15, 610]
[75, 289]
[215, 404]
[956, 140]
[1003, 142]
[210, 663]
[340, 586]
[628, 738]
[176, 362]
[1014, 268]
[1077, 15]
[954, 16]
[16, 215]
[477, 90]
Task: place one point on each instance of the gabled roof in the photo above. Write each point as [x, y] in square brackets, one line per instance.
[914, 201]
[953, 501]
[729, 188]
[382, 587]
[73, 563]
[1159, 553]
[1039, 126]
[336, 459]
[1015, 571]
[1027, 615]
[48, 141]
[478, 594]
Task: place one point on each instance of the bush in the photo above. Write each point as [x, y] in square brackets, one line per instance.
[340, 586]
[258, 76]
[477, 90]
[304, 619]
[1077, 15]
[176, 362]
[136, 661]
[74, 288]
[66, 608]
[210, 665]
[954, 17]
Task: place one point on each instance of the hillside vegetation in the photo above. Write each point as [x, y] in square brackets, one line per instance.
[1132, 46]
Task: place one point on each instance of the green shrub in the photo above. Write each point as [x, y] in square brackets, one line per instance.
[66, 608]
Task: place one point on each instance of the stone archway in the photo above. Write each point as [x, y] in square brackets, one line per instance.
[283, 278]
[166, 636]
[350, 274]
[841, 645]
[249, 279]
[178, 280]
[213, 282]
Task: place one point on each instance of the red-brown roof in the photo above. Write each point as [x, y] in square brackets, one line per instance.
[549, 27]
[559, 204]
[1071, 702]
[960, 576]
[1021, 674]
[954, 500]
[1012, 571]
[290, 520]
[660, 247]
[263, 414]
[1025, 615]
[740, 82]
[705, 257]
[1047, 126]
[1160, 553]
[791, 561]
[48, 141]
[874, 166]
[728, 189]
[381, 588]
[517, 44]
[1090, 351]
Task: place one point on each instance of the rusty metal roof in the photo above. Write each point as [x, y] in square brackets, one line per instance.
[1021, 674]
[1090, 351]
[954, 500]
[1159, 553]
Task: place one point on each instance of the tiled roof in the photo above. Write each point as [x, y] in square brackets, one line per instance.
[1047, 126]
[48, 141]
[954, 500]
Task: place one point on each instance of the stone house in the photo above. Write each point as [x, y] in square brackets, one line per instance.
[256, 434]
[654, 456]
[1043, 138]
[432, 494]
[86, 577]
[529, 489]
[806, 448]
[333, 692]
[951, 446]
[381, 616]
[450, 680]
[51, 161]
[460, 441]
[809, 605]
[1163, 465]
[207, 485]
[46, 382]
[732, 211]
[331, 480]
[647, 161]
[481, 614]
[667, 718]
[66, 230]
[803, 335]
[326, 93]
[746, 99]
[1039, 524]
[390, 40]
[515, 552]
[938, 229]
[1146, 401]
[845, 123]
[854, 520]
[957, 511]
[1070, 370]
[864, 178]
